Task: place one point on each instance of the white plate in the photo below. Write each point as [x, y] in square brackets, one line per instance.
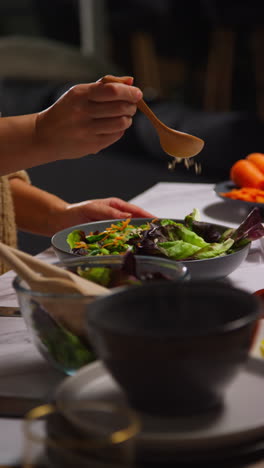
[240, 421]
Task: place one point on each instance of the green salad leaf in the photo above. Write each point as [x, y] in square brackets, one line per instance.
[75, 236]
[66, 349]
[214, 249]
[193, 216]
[178, 250]
[99, 275]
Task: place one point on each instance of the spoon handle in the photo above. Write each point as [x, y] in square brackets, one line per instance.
[16, 264]
[148, 113]
[40, 266]
[53, 271]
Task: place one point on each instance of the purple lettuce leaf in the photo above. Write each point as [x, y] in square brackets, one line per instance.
[206, 230]
[251, 228]
[129, 266]
[149, 238]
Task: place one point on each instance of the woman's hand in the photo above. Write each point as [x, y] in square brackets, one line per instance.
[86, 119]
[100, 209]
[43, 213]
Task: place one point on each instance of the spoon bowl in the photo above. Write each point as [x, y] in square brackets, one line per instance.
[178, 144]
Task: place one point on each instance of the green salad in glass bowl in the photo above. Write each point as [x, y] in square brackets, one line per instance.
[56, 322]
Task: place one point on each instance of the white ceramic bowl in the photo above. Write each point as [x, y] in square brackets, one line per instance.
[206, 269]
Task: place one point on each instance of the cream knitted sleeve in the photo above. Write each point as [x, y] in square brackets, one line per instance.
[8, 233]
[21, 175]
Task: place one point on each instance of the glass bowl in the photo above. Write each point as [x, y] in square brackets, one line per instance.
[56, 322]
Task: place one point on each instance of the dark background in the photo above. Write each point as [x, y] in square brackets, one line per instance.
[181, 38]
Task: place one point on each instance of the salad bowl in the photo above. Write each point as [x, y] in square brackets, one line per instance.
[225, 257]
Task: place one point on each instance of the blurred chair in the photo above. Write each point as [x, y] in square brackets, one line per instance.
[230, 21]
[219, 71]
[43, 59]
[212, 49]
[257, 48]
[155, 74]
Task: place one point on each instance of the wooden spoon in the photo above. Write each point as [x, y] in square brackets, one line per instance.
[58, 280]
[67, 311]
[53, 271]
[173, 142]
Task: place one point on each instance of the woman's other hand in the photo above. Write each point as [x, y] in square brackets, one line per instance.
[100, 209]
[44, 213]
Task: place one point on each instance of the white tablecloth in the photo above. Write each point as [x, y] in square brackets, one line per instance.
[24, 372]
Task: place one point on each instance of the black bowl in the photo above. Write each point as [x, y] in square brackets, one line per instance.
[206, 269]
[174, 348]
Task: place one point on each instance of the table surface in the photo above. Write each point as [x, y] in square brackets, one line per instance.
[27, 379]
